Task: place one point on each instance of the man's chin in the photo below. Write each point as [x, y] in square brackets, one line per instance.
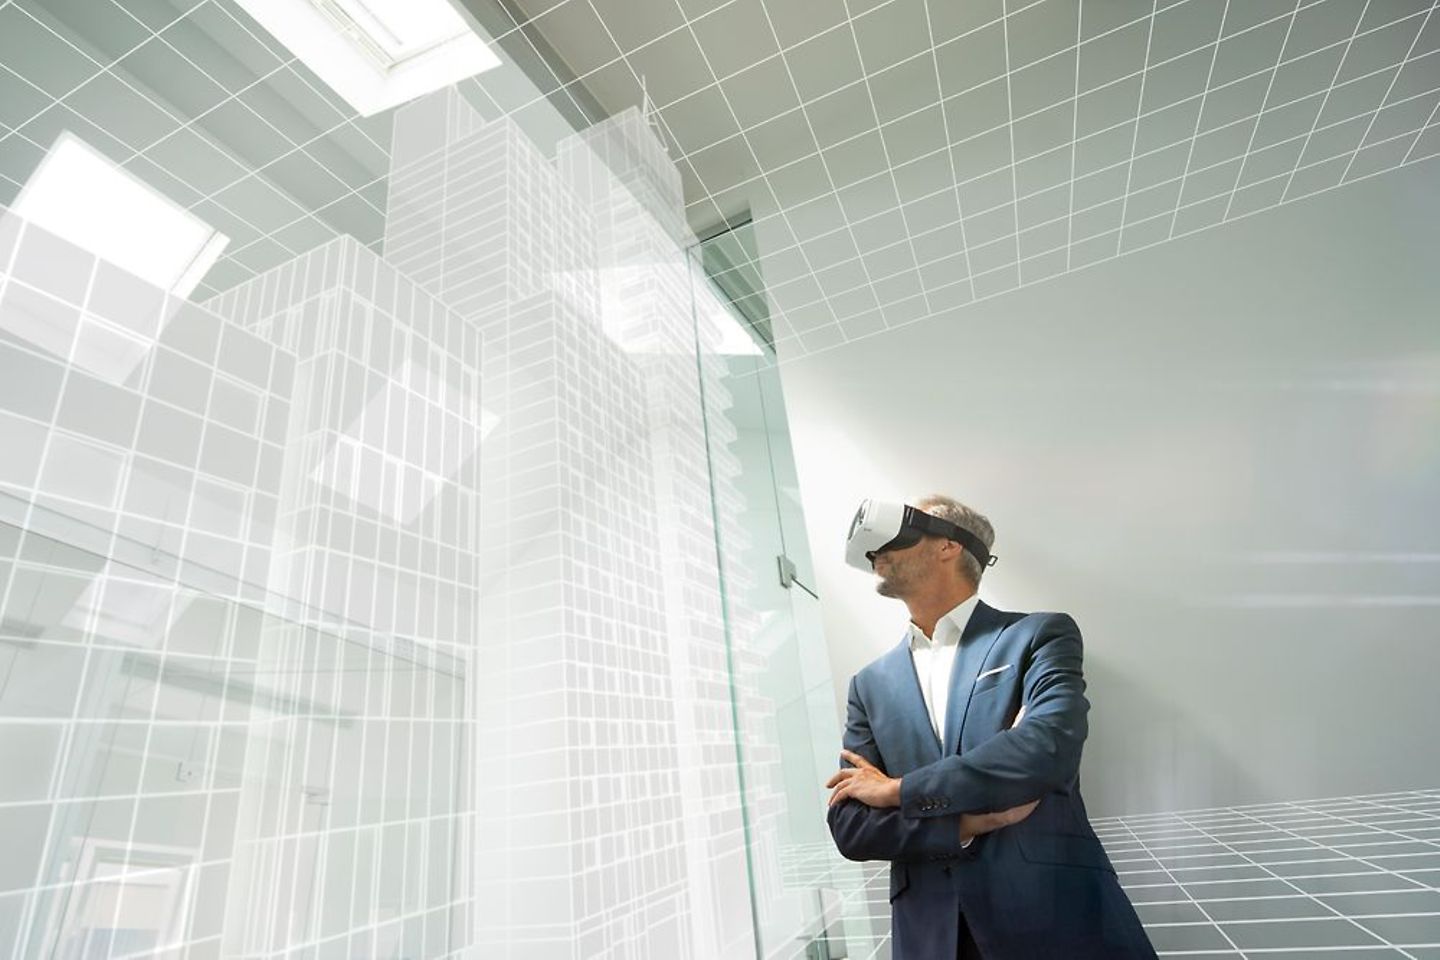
[885, 588]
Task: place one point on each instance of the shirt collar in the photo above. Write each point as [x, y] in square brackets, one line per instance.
[948, 629]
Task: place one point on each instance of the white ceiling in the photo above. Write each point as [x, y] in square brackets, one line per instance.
[197, 100]
[906, 157]
[901, 158]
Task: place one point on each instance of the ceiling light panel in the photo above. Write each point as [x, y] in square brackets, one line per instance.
[396, 31]
[377, 54]
[79, 194]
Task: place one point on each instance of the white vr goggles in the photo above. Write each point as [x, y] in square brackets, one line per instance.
[879, 526]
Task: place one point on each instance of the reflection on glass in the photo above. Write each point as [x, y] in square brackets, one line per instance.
[781, 690]
[373, 607]
[209, 772]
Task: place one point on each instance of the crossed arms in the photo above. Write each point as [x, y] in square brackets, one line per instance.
[923, 815]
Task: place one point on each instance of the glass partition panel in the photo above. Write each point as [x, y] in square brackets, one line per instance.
[268, 651]
[807, 901]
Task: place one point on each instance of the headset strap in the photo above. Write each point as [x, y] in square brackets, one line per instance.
[920, 520]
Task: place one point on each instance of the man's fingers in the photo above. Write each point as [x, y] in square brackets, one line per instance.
[1016, 814]
[841, 776]
[856, 759]
[978, 823]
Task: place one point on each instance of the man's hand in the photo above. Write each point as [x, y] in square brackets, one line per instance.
[864, 782]
[974, 824]
[869, 784]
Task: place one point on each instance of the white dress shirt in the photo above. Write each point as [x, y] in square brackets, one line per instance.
[935, 658]
[934, 661]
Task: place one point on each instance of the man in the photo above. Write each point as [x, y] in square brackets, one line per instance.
[963, 750]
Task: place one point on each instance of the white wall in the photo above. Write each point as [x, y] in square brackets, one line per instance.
[1222, 455]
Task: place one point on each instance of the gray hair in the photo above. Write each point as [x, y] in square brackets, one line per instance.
[947, 508]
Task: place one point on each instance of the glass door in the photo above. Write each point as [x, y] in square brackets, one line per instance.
[806, 901]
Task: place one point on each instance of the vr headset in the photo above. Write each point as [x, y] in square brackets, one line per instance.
[879, 526]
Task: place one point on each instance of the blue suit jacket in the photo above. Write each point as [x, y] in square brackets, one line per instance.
[1042, 889]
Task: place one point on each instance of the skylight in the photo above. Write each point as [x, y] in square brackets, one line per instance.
[377, 54]
[395, 31]
[79, 194]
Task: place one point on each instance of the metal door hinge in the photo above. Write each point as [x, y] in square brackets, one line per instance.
[787, 571]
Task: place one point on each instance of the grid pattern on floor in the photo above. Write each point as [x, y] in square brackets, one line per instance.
[1345, 877]
[1349, 878]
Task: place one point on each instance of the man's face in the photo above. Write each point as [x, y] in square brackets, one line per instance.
[900, 572]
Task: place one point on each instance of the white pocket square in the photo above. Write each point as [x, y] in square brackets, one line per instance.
[991, 673]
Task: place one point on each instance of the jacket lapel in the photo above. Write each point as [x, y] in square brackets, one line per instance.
[980, 635]
[905, 685]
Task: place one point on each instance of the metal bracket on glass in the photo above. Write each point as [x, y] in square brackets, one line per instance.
[787, 570]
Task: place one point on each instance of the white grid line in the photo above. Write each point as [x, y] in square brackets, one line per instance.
[1388, 90]
[1140, 106]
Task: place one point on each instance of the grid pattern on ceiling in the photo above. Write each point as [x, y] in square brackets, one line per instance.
[905, 157]
[1339, 878]
[901, 157]
[199, 102]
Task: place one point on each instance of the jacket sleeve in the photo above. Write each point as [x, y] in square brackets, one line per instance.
[1029, 760]
[865, 833]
